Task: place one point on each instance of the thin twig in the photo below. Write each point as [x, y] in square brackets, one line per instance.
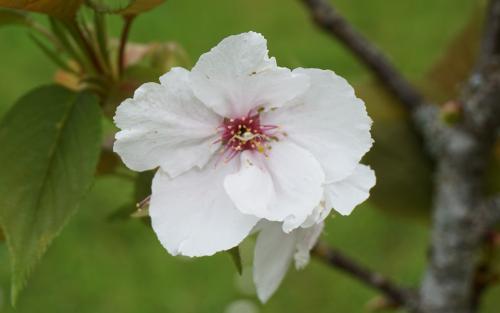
[424, 117]
[326, 17]
[398, 295]
[123, 42]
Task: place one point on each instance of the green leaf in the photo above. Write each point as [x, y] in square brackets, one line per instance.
[50, 143]
[236, 257]
[124, 7]
[12, 17]
[63, 9]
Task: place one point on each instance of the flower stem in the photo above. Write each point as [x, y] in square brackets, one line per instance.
[123, 42]
[80, 38]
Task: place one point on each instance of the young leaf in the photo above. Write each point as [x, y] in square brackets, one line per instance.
[50, 144]
[63, 9]
[12, 17]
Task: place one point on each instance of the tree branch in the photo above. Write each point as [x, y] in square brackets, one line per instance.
[425, 117]
[326, 17]
[492, 214]
[461, 153]
[481, 107]
[396, 294]
[460, 213]
[490, 45]
[485, 273]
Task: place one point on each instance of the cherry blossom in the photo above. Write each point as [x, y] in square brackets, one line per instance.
[242, 145]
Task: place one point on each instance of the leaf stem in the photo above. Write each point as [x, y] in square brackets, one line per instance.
[123, 42]
[80, 38]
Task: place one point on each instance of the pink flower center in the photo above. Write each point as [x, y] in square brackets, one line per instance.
[245, 133]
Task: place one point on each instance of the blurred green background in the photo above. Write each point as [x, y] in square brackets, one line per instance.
[101, 266]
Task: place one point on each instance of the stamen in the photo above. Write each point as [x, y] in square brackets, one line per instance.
[245, 133]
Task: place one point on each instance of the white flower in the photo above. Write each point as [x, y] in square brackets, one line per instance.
[238, 140]
[275, 250]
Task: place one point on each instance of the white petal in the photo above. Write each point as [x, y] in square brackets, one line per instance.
[250, 188]
[165, 125]
[192, 215]
[345, 195]
[237, 76]
[317, 216]
[329, 121]
[286, 186]
[298, 184]
[306, 240]
[273, 254]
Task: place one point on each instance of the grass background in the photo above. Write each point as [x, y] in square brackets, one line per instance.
[97, 266]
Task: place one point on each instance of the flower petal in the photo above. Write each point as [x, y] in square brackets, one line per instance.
[345, 195]
[274, 252]
[306, 240]
[329, 121]
[251, 188]
[237, 76]
[318, 215]
[286, 186]
[192, 215]
[166, 125]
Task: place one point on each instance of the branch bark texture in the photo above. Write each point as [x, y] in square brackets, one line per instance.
[462, 213]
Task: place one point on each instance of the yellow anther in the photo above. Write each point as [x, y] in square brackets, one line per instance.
[261, 148]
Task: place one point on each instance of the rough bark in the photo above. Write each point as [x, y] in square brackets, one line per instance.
[456, 228]
[462, 213]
